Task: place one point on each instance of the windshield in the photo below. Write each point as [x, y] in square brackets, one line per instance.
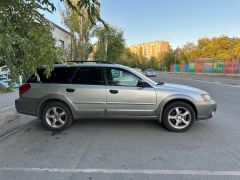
[150, 70]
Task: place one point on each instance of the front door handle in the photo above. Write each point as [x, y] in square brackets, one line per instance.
[70, 90]
[113, 91]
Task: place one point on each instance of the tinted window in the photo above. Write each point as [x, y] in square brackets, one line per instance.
[89, 75]
[119, 77]
[62, 75]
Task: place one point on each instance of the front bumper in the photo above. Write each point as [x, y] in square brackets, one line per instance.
[206, 109]
[26, 106]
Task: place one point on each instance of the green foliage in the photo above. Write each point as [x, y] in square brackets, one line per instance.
[130, 59]
[110, 43]
[6, 90]
[26, 41]
[92, 8]
[169, 58]
[81, 28]
[153, 63]
[215, 48]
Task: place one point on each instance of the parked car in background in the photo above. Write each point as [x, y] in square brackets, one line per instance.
[150, 73]
[104, 90]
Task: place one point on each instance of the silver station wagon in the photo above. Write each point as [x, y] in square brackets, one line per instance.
[104, 90]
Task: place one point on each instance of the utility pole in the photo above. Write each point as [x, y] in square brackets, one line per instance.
[175, 64]
[175, 59]
[233, 44]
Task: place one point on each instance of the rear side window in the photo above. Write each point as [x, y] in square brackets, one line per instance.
[89, 75]
[61, 75]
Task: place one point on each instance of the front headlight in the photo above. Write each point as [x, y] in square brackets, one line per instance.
[206, 97]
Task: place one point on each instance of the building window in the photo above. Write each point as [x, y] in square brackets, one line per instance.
[60, 43]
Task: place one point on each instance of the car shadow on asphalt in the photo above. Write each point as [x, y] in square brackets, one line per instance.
[143, 125]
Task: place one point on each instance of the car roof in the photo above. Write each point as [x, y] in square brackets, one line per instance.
[86, 64]
[90, 64]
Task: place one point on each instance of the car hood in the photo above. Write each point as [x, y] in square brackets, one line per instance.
[181, 88]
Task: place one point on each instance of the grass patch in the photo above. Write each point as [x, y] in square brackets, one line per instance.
[6, 90]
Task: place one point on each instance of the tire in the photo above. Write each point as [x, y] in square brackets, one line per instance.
[56, 116]
[178, 116]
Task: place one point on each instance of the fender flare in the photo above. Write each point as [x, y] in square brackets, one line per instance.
[55, 97]
[174, 97]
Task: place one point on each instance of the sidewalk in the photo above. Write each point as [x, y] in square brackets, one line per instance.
[10, 120]
[226, 79]
[8, 99]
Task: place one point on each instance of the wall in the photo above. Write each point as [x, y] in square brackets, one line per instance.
[61, 36]
[212, 66]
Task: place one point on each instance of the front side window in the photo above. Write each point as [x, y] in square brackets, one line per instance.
[88, 75]
[119, 77]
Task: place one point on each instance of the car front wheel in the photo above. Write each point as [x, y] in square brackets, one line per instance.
[178, 116]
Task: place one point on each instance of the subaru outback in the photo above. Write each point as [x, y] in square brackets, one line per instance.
[105, 90]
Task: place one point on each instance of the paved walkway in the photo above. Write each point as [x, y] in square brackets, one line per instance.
[8, 99]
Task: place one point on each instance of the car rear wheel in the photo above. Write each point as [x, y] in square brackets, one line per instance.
[178, 116]
[56, 116]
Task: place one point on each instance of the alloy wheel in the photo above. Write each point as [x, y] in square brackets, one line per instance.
[179, 117]
[56, 117]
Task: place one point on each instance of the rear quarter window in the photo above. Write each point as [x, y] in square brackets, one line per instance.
[61, 75]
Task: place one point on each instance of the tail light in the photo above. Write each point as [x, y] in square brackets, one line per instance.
[23, 88]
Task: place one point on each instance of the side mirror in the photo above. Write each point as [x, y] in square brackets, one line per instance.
[142, 83]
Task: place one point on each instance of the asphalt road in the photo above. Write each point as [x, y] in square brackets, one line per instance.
[131, 149]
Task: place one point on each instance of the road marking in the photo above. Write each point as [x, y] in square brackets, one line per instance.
[208, 81]
[127, 171]
[7, 108]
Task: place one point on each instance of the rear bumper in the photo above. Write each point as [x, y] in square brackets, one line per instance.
[206, 109]
[26, 106]
[151, 75]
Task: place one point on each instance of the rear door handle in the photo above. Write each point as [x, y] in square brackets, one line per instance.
[70, 90]
[113, 91]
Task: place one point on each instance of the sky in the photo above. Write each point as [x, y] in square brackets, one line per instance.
[175, 21]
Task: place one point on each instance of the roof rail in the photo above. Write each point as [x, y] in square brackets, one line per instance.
[100, 62]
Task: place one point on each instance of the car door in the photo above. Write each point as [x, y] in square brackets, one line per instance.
[125, 97]
[88, 92]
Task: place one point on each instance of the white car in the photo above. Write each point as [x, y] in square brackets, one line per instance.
[150, 73]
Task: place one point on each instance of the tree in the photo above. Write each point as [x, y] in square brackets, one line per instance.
[216, 48]
[189, 50]
[81, 31]
[153, 63]
[26, 41]
[92, 7]
[181, 56]
[169, 58]
[110, 43]
[131, 59]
